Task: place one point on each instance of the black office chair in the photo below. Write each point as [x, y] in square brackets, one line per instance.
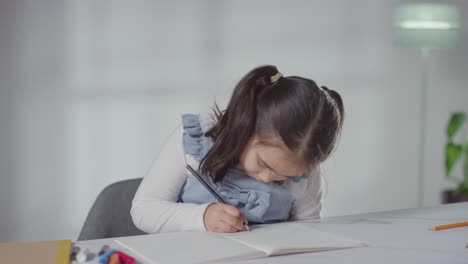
[110, 213]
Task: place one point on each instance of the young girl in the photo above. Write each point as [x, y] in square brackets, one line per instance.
[261, 155]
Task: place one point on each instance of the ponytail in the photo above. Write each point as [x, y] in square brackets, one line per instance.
[332, 118]
[235, 126]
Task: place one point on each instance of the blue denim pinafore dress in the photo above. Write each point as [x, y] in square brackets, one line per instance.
[260, 202]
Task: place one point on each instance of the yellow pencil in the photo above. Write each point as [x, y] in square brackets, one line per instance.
[454, 225]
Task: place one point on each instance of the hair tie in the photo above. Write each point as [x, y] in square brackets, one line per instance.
[276, 77]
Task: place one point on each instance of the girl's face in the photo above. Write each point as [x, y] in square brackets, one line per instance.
[267, 162]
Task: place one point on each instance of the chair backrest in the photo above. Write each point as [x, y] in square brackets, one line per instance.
[110, 213]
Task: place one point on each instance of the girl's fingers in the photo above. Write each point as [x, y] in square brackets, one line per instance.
[234, 211]
[246, 222]
[226, 227]
[236, 222]
[224, 218]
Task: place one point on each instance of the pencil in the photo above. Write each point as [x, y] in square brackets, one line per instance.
[208, 187]
[448, 226]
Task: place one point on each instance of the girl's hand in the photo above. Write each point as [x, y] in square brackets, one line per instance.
[223, 218]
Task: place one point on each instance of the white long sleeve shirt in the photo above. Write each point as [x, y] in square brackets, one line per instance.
[155, 208]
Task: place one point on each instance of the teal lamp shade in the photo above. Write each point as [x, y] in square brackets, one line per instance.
[426, 25]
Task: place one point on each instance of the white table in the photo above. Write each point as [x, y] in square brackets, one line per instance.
[399, 236]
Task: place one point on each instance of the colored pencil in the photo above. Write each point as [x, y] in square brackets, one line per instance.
[448, 226]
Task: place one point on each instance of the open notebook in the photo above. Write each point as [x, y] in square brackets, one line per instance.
[205, 247]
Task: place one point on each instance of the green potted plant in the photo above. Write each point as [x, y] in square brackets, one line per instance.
[455, 151]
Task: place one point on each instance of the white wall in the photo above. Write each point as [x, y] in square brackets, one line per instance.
[89, 91]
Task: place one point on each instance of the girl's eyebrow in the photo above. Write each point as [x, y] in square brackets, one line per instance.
[266, 165]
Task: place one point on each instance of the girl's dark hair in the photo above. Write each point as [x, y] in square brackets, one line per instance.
[306, 117]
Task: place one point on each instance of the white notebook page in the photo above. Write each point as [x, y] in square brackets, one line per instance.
[286, 238]
[186, 247]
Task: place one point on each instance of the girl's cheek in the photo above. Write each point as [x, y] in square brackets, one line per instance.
[264, 177]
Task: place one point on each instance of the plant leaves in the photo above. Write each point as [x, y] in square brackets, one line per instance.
[452, 154]
[461, 189]
[465, 165]
[456, 121]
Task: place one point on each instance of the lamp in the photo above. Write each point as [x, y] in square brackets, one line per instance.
[425, 26]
